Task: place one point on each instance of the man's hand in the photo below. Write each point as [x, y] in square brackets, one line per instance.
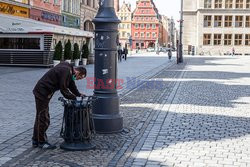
[83, 95]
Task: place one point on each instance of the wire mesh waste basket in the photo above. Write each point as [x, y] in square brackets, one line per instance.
[78, 126]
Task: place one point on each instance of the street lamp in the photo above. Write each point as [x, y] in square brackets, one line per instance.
[180, 50]
[107, 118]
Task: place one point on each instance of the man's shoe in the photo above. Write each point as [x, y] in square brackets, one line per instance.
[34, 143]
[46, 145]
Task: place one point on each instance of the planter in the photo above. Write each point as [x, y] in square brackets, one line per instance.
[55, 62]
[69, 61]
[84, 61]
[77, 62]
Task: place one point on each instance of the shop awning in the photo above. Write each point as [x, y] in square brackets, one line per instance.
[12, 24]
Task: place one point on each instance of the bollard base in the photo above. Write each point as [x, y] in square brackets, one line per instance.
[83, 146]
[108, 123]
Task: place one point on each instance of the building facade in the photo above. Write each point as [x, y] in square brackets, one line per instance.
[89, 10]
[125, 15]
[46, 11]
[165, 31]
[146, 25]
[117, 5]
[71, 12]
[172, 33]
[216, 27]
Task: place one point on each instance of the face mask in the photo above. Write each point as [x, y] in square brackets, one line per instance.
[73, 77]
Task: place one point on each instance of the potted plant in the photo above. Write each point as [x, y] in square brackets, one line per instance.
[85, 54]
[57, 57]
[68, 52]
[76, 54]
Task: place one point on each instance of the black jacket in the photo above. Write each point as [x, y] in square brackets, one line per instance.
[57, 78]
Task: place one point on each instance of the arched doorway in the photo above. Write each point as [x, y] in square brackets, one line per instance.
[88, 26]
[151, 45]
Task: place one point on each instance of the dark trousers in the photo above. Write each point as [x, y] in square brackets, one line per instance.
[42, 120]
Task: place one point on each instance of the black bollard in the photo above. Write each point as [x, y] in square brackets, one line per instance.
[106, 114]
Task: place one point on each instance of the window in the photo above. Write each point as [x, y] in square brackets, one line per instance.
[217, 39]
[208, 4]
[238, 21]
[229, 4]
[56, 2]
[238, 39]
[227, 39]
[19, 43]
[123, 34]
[218, 4]
[142, 26]
[148, 34]
[207, 21]
[153, 26]
[154, 35]
[248, 4]
[239, 4]
[228, 21]
[89, 2]
[217, 21]
[136, 34]
[247, 21]
[206, 39]
[142, 34]
[247, 39]
[136, 26]
[148, 26]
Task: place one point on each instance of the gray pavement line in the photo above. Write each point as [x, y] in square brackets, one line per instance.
[125, 93]
[173, 92]
[147, 75]
[142, 134]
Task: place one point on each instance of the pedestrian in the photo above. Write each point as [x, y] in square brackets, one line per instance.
[119, 52]
[62, 77]
[233, 52]
[169, 54]
[125, 52]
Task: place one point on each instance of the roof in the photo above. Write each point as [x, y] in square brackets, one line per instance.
[13, 24]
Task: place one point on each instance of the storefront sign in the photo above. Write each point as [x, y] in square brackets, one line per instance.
[45, 16]
[14, 10]
[70, 21]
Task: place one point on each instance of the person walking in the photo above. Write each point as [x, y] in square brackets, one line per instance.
[233, 52]
[125, 52]
[62, 77]
[119, 52]
[169, 54]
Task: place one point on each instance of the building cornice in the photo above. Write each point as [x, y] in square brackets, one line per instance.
[89, 8]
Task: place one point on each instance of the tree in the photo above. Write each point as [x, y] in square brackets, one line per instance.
[68, 51]
[85, 51]
[76, 53]
[58, 51]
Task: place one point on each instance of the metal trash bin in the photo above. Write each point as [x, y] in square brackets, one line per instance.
[78, 126]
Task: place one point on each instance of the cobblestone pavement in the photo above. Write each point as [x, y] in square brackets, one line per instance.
[17, 102]
[197, 114]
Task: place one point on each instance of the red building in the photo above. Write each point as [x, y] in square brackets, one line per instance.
[146, 25]
[46, 11]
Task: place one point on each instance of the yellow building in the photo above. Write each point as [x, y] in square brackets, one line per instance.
[125, 15]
